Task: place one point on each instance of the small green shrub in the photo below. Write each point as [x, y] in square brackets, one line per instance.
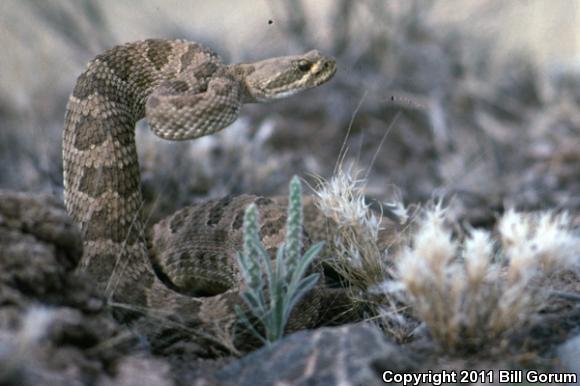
[271, 300]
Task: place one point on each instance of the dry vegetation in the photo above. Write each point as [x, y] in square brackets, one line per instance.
[472, 293]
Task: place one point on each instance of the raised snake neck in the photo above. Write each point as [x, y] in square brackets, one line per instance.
[184, 91]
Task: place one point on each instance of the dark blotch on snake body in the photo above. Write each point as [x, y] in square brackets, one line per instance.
[94, 131]
[201, 256]
[238, 220]
[216, 213]
[271, 228]
[97, 180]
[93, 83]
[120, 61]
[189, 55]
[178, 220]
[105, 230]
[263, 201]
[190, 100]
[158, 52]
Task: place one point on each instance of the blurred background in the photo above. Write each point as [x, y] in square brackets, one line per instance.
[475, 100]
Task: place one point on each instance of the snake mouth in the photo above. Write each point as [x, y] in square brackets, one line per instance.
[324, 71]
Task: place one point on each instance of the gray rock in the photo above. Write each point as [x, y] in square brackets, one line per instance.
[52, 322]
[568, 354]
[347, 355]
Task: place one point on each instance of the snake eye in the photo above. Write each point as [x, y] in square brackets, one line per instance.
[304, 65]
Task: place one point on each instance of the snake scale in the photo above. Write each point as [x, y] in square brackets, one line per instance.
[187, 271]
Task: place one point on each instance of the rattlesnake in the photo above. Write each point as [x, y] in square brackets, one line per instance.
[185, 91]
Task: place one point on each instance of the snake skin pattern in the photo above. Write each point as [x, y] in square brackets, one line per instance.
[185, 91]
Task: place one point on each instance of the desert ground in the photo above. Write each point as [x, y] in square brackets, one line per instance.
[458, 127]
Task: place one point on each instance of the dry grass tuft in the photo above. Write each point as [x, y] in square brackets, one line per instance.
[473, 294]
[470, 293]
[358, 257]
[358, 253]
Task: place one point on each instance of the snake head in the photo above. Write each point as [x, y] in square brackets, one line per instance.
[284, 76]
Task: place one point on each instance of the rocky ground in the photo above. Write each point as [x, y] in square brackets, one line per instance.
[422, 107]
[55, 329]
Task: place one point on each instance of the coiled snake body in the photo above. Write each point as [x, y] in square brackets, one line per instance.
[184, 91]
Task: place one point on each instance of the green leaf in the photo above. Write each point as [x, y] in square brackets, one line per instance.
[246, 322]
[252, 299]
[302, 288]
[306, 260]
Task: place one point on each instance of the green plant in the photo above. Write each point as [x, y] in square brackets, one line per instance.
[271, 300]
